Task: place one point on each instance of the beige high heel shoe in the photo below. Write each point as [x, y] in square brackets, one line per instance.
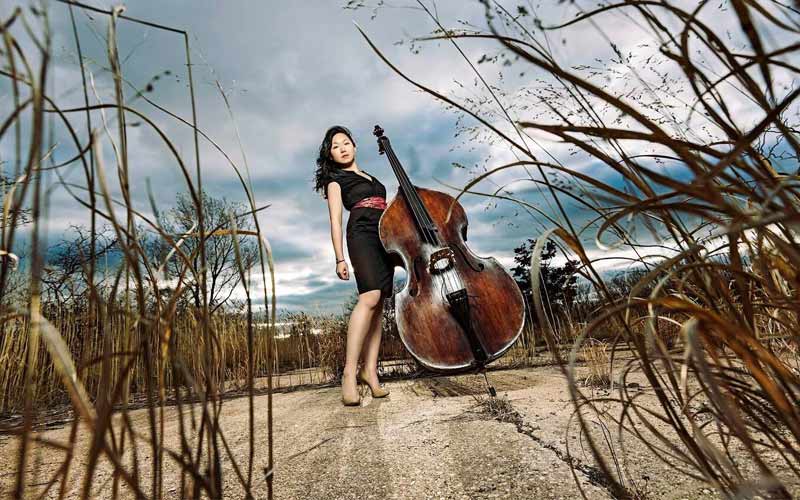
[349, 401]
[380, 392]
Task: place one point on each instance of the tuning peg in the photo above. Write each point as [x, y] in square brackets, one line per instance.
[378, 132]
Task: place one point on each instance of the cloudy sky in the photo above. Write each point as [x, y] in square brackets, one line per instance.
[289, 71]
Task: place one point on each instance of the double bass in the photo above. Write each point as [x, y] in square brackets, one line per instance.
[457, 311]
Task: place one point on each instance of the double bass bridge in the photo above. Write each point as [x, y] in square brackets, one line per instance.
[441, 261]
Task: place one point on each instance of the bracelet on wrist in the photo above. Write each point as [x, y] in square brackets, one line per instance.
[339, 261]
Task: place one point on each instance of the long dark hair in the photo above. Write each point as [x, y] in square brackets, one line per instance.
[325, 164]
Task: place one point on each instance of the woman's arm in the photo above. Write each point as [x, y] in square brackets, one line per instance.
[335, 211]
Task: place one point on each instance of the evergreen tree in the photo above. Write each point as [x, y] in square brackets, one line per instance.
[558, 284]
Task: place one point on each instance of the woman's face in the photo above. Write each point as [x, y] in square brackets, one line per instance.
[342, 149]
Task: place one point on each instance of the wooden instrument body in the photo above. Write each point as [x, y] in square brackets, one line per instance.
[424, 320]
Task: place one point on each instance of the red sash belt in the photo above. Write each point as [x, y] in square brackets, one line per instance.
[372, 202]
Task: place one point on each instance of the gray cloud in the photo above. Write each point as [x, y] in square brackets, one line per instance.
[290, 70]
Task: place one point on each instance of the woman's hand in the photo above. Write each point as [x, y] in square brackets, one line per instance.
[341, 270]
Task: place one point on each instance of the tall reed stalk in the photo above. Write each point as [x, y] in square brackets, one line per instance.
[691, 138]
[127, 339]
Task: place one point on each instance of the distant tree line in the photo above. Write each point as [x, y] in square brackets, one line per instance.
[66, 280]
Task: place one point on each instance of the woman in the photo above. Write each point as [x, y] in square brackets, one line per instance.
[343, 184]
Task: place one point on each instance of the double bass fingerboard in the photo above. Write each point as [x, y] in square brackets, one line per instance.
[423, 219]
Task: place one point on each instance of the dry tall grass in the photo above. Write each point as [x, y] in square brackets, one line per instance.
[692, 144]
[127, 337]
[599, 363]
[685, 179]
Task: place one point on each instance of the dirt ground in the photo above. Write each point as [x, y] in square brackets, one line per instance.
[430, 439]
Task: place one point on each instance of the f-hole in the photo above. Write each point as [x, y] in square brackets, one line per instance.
[477, 267]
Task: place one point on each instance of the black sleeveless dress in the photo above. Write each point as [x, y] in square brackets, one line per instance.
[371, 263]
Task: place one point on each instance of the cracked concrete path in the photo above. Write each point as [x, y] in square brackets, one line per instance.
[428, 440]
[424, 441]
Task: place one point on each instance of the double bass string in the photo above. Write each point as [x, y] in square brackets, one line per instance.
[412, 197]
[455, 279]
[487, 334]
[422, 216]
[414, 202]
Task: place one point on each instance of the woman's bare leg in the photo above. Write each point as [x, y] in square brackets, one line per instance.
[357, 330]
[372, 345]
